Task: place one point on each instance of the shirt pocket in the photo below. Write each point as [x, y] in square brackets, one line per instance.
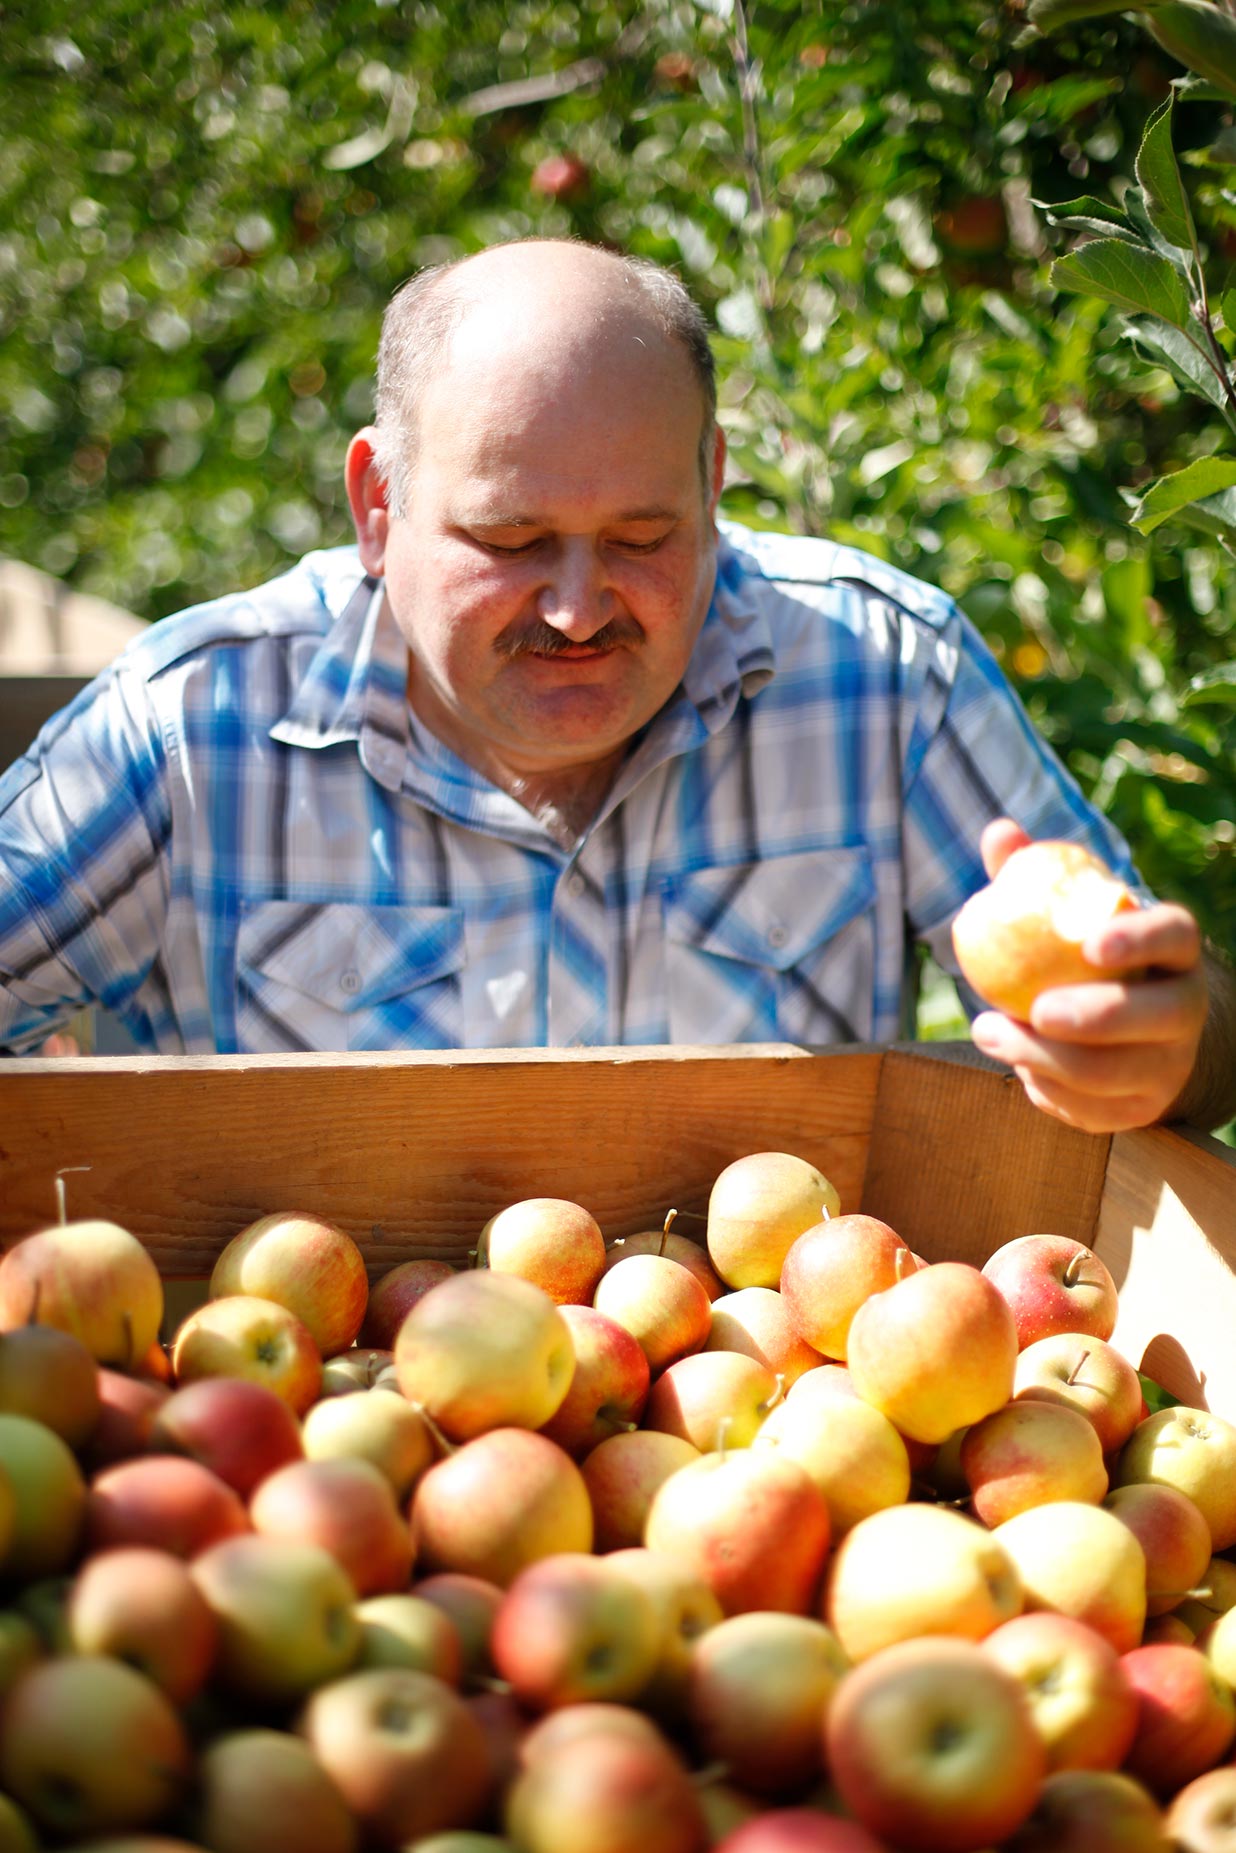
[340, 975]
[778, 950]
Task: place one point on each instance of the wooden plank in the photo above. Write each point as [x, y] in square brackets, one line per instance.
[1167, 1231]
[960, 1162]
[412, 1154]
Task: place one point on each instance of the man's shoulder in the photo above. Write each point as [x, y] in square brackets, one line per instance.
[302, 602]
[798, 564]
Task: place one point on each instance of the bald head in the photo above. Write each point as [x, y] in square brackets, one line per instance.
[536, 309]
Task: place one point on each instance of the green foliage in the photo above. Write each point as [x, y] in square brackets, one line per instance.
[203, 210]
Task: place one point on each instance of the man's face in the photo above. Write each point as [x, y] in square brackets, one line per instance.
[556, 559]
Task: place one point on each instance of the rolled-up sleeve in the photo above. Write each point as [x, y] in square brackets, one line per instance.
[85, 827]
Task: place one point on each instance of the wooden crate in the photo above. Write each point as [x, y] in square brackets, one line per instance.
[412, 1154]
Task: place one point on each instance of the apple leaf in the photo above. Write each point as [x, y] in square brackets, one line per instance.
[1156, 1396]
[1214, 514]
[1140, 282]
[1048, 15]
[1183, 355]
[1169, 494]
[1201, 36]
[1167, 203]
[1088, 214]
[1213, 685]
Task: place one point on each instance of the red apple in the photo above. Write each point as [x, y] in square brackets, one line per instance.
[799, 1830]
[609, 1385]
[571, 1627]
[756, 1321]
[1083, 1706]
[127, 1410]
[713, 1399]
[499, 1503]
[917, 1569]
[550, 1241]
[691, 1255]
[1195, 1452]
[759, 1689]
[402, 1629]
[660, 1303]
[405, 1753]
[380, 1427]
[605, 1792]
[347, 1506]
[832, 1268]
[285, 1613]
[750, 1524]
[142, 1606]
[90, 1747]
[1186, 1716]
[484, 1351]
[1054, 1284]
[240, 1430]
[392, 1297]
[1081, 1561]
[469, 1604]
[264, 1791]
[1092, 1811]
[1174, 1537]
[935, 1352]
[92, 1279]
[51, 1377]
[1086, 1374]
[622, 1476]
[1028, 1454]
[164, 1502]
[305, 1264]
[245, 1336]
[1202, 1813]
[932, 1745]
[852, 1452]
[685, 1608]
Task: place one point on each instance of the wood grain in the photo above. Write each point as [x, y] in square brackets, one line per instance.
[412, 1154]
[961, 1162]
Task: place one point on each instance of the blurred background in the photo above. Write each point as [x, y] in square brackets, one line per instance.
[204, 208]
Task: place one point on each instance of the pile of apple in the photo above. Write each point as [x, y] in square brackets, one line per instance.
[787, 1543]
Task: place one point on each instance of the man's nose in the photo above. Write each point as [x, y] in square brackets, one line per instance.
[576, 598]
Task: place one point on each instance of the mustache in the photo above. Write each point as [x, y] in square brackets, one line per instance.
[539, 639]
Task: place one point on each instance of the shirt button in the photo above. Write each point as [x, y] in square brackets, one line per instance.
[777, 935]
[575, 885]
[350, 983]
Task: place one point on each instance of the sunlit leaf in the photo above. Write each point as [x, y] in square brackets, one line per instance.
[1139, 282]
[1167, 203]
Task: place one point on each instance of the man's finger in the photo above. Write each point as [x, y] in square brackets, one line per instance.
[997, 843]
[1164, 935]
[1150, 1011]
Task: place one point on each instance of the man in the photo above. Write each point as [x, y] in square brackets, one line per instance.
[547, 759]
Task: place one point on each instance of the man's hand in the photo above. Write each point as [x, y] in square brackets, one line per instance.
[1117, 1053]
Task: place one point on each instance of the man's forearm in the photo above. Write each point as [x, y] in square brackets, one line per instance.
[1208, 1098]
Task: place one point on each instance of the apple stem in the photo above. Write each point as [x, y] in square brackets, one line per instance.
[440, 1441]
[670, 1215]
[489, 1682]
[1179, 1595]
[1072, 1270]
[1072, 1376]
[711, 1772]
[766, 1408]
[723, 1429]
[475, 1257]
[61, 1206]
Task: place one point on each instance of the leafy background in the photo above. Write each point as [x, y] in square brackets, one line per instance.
[204, 208]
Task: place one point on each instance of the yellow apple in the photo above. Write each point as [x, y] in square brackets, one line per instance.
[484, 1351]
[1081, 1561]
[1023, 933]
[758, 1206]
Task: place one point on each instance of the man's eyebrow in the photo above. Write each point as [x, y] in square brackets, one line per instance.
[493, 519]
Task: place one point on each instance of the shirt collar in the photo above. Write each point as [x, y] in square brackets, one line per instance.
[355, 688]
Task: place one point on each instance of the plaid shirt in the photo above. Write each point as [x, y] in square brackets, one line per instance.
[238, 838]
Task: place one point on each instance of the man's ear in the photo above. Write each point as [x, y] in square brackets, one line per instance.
[718, 470]
[367, 501]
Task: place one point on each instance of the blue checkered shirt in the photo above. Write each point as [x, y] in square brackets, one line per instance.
[239, 839]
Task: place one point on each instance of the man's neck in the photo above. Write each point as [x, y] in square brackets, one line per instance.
[565, 803]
